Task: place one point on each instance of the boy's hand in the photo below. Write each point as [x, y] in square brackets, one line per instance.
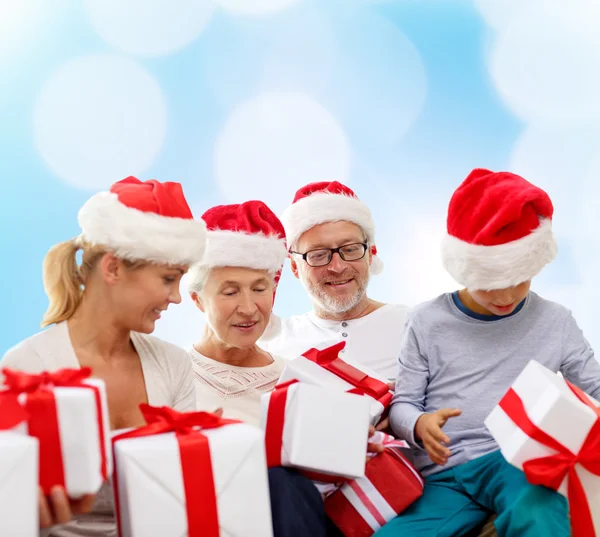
[372, 447]
[428, 429]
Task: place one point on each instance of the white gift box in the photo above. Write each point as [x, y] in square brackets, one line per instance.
[305, 370]
[151, 487]
[324, 431]
[81, 444]
[18, 485]
[554, 408]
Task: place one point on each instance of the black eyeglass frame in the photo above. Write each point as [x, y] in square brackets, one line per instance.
[332, 251]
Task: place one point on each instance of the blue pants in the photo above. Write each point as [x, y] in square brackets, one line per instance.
[462, 498]
[296, 505]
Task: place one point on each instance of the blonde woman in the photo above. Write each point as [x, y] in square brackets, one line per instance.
[136, 243]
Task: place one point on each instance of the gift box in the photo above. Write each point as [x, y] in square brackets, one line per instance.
[326, 369]
[18, 485]
[322, 432]
[550, 429]
[191, 474]
[68, 414]
[391, 483]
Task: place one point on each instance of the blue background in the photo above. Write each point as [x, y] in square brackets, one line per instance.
[241, 99]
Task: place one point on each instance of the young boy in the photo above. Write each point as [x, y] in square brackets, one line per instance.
[462, 351]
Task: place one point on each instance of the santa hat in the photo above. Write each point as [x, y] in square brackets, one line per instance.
[318, 203]
[244, 235]
[144, 220]
[499, 231]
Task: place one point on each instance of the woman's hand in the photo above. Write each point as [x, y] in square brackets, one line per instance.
[428, 429]
[57, 508]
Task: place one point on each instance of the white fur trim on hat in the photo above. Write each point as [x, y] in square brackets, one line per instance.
[498, 267]
[138, 235]
[376, 265]
[323, 207]
[238, 249]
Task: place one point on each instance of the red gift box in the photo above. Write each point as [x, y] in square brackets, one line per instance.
[362, 506]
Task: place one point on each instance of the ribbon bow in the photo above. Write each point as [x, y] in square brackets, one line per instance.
[41, 414]
[164, 419]
[20, 382]
[196, 465]
[552, 470]
[363, 384]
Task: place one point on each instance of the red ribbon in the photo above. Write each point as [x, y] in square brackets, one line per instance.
[552, 470]
[40, 411]
[274, 426]
[275, 423]
[196, 465]
[363, 384]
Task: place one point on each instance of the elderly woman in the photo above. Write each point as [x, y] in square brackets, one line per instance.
[235, 287]
[136, 241]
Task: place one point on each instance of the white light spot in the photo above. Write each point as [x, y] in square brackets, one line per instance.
[98, 119]
[149, 28]
[378, 82]
[181, 324]
[256, 7]
[546, 62]
[498, 13]
[410, 247]
[274, 144]
[556, 158]
[302, 53]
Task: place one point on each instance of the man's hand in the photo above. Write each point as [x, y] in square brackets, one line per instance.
[428, 429]
[57, 508]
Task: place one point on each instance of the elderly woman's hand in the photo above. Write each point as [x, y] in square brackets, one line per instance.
[57, 508]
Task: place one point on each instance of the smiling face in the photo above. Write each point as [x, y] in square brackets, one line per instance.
[142, 293]
[237, 302]
[499, 301]
[339, 286]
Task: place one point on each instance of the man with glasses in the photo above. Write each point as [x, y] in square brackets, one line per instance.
[331, 239]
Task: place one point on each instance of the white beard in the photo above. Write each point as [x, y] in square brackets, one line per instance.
[335, 304]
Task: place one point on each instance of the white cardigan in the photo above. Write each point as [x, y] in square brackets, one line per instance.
[166, 367]
[169, 382]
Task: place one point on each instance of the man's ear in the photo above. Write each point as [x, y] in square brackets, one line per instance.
[294, 267]
[111, 268]
[197, 300]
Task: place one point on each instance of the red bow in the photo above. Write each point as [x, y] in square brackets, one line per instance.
[363, 384]
[196, 465]
[40, 412]
[20, 382]
[552, 470]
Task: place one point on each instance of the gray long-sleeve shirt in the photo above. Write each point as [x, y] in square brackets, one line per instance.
[449, 359]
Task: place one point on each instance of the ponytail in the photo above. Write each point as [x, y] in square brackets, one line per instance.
[62, 282]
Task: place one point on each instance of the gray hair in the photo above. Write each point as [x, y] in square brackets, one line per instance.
[197, 278]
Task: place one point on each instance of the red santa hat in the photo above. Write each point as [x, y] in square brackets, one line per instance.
[318, 203]
[499, 231]
[144, 220]
[244, 235]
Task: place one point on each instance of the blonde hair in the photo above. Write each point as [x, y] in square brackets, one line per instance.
[64, 280]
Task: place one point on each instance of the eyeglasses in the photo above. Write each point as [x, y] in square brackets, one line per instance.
[323, 256]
